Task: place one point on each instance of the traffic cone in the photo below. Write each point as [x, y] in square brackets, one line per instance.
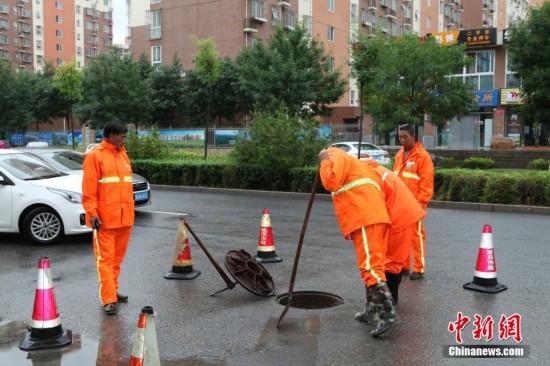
[46, 330]
[145, 350]
[266, 244]
[182, 264]
[485, 275]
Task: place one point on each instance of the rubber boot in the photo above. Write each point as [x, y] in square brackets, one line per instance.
[369, 316]
[383, 302]
[393, 280]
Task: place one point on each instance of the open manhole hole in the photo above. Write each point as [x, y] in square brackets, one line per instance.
[311, 300]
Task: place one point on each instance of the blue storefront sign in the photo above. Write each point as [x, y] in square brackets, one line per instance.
[486, 98]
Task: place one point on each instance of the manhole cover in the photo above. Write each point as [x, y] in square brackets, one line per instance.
[311, 300]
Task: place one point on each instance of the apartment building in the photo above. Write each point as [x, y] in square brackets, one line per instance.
[35, 31]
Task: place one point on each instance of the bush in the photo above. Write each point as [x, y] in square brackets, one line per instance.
[478, 163]
[279, 142]
[539, 164]
[451, 163]
[146, 147]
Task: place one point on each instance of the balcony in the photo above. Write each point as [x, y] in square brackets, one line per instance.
[372, 5]
[460, 8]
[407, 22]
[385, 3]
[390, 13]
[284, 3]
[250, 26]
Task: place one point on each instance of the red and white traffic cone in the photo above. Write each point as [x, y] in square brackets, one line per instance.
[182, 264]
[266, 244]
[46, 330]
[145, 351]
[485, 275]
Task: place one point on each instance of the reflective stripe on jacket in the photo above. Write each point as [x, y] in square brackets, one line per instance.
[400, 202]
[356, 192]
[417, 172]
[107, 189]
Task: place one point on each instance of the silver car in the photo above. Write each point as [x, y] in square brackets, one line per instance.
[368, 151]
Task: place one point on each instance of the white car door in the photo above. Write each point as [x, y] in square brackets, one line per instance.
[6, 205]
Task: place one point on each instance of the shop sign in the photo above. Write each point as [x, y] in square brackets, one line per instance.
[486, 98]
[510, 96]
[506, 36]
[478, 37]
[446, 38]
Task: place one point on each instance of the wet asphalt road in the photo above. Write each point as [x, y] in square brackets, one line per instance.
[237, 327]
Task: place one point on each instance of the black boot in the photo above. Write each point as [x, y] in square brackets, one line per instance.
[383, 303]
[393, 280]
[369, 316]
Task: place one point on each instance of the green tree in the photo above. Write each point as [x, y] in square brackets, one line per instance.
[294, 71]
[529, 50]
[15, 101]
[48, 101]
[208, 72]
[405, 79]
[166, 92]
[68, 80]
[115, 90]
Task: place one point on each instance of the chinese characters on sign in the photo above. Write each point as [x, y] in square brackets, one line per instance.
[508, 327]
[478, 37]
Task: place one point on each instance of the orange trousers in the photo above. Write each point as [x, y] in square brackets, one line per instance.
[370, 246]
[109, 248]
[399, 248]
[418, 249]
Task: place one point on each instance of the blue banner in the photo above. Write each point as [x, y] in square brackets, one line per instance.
[486, 98]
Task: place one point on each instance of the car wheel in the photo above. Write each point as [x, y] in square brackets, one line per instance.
[43, 226]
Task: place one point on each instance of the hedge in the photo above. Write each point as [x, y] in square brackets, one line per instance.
[528, 187]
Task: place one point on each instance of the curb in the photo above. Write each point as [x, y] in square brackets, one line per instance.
[467, 206]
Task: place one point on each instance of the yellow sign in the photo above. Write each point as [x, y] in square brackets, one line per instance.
[446, 38]
[510, 96]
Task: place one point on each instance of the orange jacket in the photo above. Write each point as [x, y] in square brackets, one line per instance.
[355, 191]
[417, 171]
[400, 202]
[107, 189]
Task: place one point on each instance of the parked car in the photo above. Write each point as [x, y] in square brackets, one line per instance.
[90, 147]
[70, 161]
[38, 200]
[3, 145]
[37, 144]
[368, 151]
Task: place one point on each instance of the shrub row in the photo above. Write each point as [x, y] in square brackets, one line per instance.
[461, 185]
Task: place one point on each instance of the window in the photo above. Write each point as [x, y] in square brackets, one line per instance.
[428, 22]
[330, 33]
[58, 5]
[106, 29]
[38, 15]
[330, 5]
[27, 43]
[78, 22]
[39, 59]
[4, 39]
[156, 55]
[4, 9]
[512, 79]
[88, 25]
[156, 24]
[78, 9]
[106, 41]
[59, 33]
[330, 64]
[4, 54]
[38, 44]
[257, 9]
[352, 100]
[354, 12]
[38, 29]
[78, 36]
[106, 2]
[306, 22]
[16, 41]
[79, 51]
[4, 24]
[26, 13]
[480, 73]
[275, 15]
[107, 15]
[155, 1]
[59, 61]
[59, 47]
[59, 19]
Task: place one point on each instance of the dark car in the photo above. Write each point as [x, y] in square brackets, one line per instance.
[70, 161]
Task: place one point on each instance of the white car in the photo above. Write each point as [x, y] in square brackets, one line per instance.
[368, 151]
[37, 200]
[70, 161]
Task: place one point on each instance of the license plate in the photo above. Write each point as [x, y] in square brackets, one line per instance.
[141, 196]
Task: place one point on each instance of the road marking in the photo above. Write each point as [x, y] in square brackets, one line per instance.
[164, 212]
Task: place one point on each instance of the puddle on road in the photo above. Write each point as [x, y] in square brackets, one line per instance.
[82, 351]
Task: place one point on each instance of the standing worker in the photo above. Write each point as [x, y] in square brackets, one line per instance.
[108, 200]
[414, 166]
[363, 218]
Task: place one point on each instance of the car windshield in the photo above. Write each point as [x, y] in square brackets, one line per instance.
[366, 147]
[26, 167]
[64, 160]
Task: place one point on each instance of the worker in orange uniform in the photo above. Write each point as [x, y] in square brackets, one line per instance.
[414, 166]
[363, 218]
[405, 215]
[108, 200]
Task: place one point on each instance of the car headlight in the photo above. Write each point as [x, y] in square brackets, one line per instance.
[70, 196]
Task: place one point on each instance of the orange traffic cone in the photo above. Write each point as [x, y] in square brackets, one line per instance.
[46, 330]
[182, 264]
[266, 244]
[145, 350]
[485, 275]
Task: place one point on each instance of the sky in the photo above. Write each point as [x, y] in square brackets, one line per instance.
[120, 21]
